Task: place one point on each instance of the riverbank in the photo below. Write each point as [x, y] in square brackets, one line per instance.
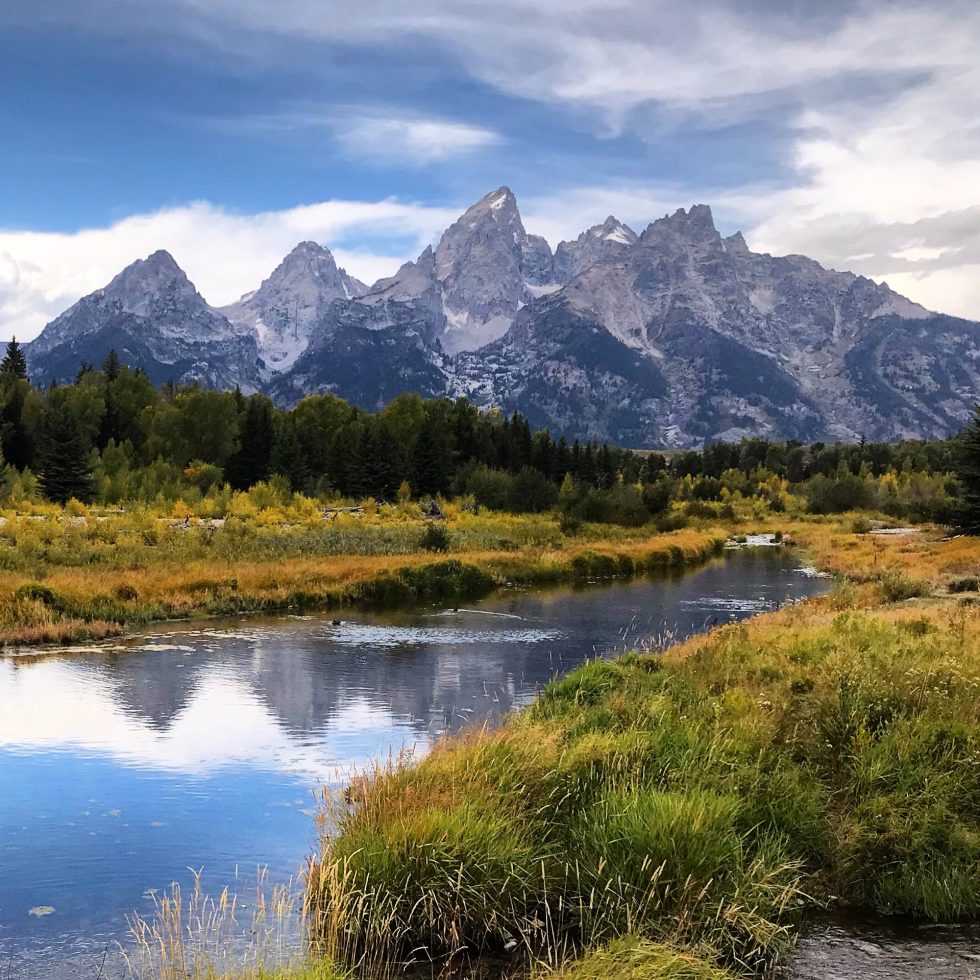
[698, 802]
[55, 597]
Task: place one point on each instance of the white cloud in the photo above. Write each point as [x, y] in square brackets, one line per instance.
[365, 132]
[225, 254]
[877, 100]
[411, 141]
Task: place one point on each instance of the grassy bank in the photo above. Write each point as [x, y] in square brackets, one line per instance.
[69, 577]
[695, 802]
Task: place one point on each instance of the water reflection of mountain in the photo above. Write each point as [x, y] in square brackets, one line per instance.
[298, 692]
[148, 688]
[305, 678]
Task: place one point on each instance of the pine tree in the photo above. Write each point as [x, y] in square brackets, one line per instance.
[968, 471]
[110, 427]
[15, 436]
[383, 461]
[111, 365]
[63, 455]
[289, 459]
[253, 462]
[432, 468]
[14, 362]
[345, 459]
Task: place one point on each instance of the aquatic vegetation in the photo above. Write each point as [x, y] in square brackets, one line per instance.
[199, 937]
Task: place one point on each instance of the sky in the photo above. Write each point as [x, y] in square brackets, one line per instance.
[227, 131]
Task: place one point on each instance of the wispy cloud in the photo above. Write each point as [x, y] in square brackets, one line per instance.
[877, 102]
[413, 141]
[387, 136]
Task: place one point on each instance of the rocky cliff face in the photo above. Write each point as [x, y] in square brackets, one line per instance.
[604, 242]
[284, 310]
[668, 338]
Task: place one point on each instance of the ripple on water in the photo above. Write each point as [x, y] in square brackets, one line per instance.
[731, 604]
[381, 636]
[848, 950]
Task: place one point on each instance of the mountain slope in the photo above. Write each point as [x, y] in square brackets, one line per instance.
[156, 320]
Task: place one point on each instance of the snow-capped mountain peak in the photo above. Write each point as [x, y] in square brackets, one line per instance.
[599, 243]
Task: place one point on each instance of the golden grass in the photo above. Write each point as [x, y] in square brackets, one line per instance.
[929, 554]
[97, 601]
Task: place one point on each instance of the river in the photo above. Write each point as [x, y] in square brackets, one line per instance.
[201, 745]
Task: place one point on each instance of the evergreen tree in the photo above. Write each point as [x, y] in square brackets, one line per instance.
[605, 469]
[111, 365]
[382, 461]
[968, 472]
[561, 462]
[15, 436]
[253, 461]
[14, 363]
[289, 459]
[110, 427]
[345, 460]
[432, 465]
[63, 454]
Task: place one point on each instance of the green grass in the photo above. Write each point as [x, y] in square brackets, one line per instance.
[699, 802]
[634, 959]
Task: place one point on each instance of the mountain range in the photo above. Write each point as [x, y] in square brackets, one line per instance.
[667, 338]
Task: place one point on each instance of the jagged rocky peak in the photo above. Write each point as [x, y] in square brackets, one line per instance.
[537, 261]
[613, 230]
[600, 242]
[155, 318]
[492, 225]
[285, 309]
[736, 244]
[483, 270]
[157, 288]
[144, 282]
[310, 264]
[695, 225]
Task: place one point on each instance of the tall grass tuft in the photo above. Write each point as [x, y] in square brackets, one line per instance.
[199, 937]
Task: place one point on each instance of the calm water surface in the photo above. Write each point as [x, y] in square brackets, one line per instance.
[201, 746]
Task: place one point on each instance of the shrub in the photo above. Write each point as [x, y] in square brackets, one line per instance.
[657, 495]
[635, 959]
[834, 495]
[434, 538]
[896, 587]
[38, 592]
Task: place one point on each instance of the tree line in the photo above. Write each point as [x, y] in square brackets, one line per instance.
[112, 435]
